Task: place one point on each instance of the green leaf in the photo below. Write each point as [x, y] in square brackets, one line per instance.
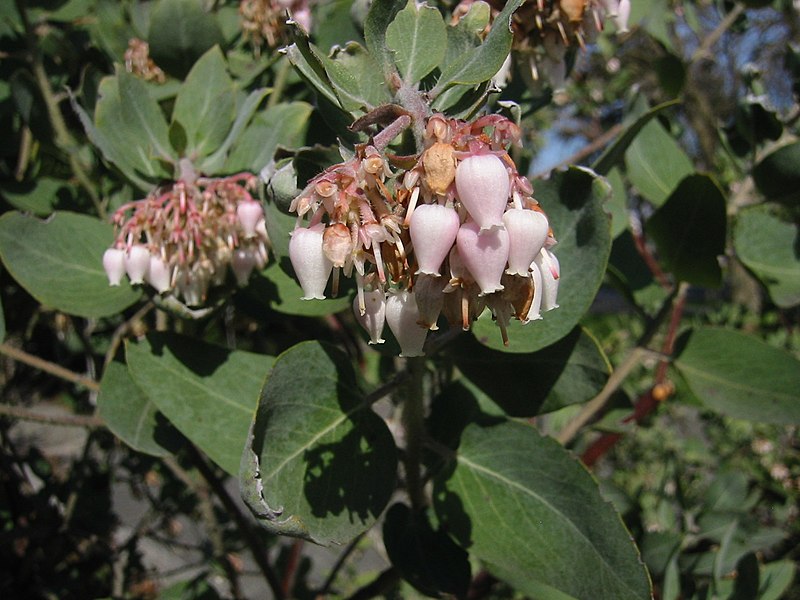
[2, 323]
[630, 273]
[573, 201]
[212, 164]
[281, 125]
[143, 119]
[614, 154]
[336, 23]
[418, 38]
[428, 559]
[741, 376]
[571, 371]
[381, 14]
[321, 465]
[180, 33]
[205, 105]
[617, 203]
[60, 263]
[355, 77]
[481, 63]
[777, 175]
[766, 245]
[655, 162]
[207, 392]
[689, 231]
[509, 489]
[132, 416]
[776, 578]
[39, 197]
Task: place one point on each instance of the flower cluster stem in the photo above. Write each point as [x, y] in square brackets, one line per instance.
[414, 426]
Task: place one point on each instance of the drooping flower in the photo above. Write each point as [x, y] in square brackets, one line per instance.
[311, 265]
[373, 316]
[433, 230]
[114, 265]
[402, 316]
[483, 184]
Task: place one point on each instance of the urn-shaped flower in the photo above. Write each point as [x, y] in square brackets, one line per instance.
[374, 316]
[402, 315]
[527, 232]
[310, 264]
[485, 254]
[483, 185]
[114, 265]
[433, 230]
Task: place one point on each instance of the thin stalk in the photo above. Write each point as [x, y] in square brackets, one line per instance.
[49, 367]
[377, 586]
[413, 417]
[18, 412]
[340, 561]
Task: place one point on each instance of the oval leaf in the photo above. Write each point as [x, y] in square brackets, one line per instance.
[741, 376]
[418, 38]
[320, 465]
[766, 245]
[571, 371]
[60, 263]
[208, 392]
[777, 176]
[132, 416]
[524, 506]
[689, 231]
[573, 201]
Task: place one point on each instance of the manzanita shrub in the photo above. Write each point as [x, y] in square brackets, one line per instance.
[344, 253]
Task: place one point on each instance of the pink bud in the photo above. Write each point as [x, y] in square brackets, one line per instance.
[374, 314]
[527, 231]
[402, 316]
[433, 230]
[249, 213]
[159, 274]
[243, 262]
[485, 254]
[137, 262]
[337, 244]
[114, 264]
[310, 264]
[551, 273]
[483, 185]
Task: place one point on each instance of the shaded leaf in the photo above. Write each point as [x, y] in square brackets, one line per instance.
[510, 488]
[573, 201]
[776, 578]
[418, 38]
[777, 175]
[656, 163]
[60, 262]
[381, 14]
[768, 246]
[689, 231]
[180, 33]
[205, 105]
[571, 371]
[40, 196]
[207, 392]
[132, 416]
[741, 376]
[428, 559]
[320, 464]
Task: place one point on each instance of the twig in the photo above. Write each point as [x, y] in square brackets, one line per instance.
[48, 367]
[290, 571]
[378, 585]
[252, 541]
[340, 561]
[18, 412]
[712, 38]
[596, 144]
[121, 331]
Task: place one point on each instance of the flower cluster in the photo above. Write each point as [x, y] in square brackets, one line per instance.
[451, 232]
[182, 237]
[263, 21]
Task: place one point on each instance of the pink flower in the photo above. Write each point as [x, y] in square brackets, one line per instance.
[485, 254]
[159, 274]
[137, 263]
[374, 315]
[243, 262]
[310, 264]
[527, 232]
[551, 274]
[483, 186]
[433, 230]
[114, 265]
[249, 213]
[402, 315]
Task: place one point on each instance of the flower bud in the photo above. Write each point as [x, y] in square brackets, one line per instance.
[527, 232]
[249, 213]
[433, 230]
[483, 185]
[485, 254]
[137, 262]
[159, 274]
[243, 262]
[374, 314]
[310, 264]
[337, 244]
[402, 316]
[114, 264]
[548, 263]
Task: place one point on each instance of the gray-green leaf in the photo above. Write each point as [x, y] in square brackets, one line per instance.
[418, 38]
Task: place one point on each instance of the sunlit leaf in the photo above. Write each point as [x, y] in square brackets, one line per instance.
[207, 392]
[320, 464]
[509, 488]
[418, 38]
[381, 14]
[60, 262]
[741, 376]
